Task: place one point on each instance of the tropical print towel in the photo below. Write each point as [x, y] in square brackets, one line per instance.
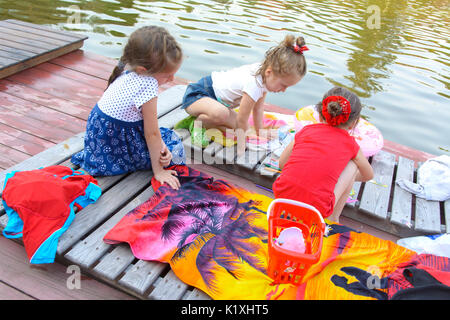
[214, 235]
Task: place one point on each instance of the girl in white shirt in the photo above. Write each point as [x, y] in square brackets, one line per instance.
[211, 100]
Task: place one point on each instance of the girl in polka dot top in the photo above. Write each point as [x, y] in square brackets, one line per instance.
[122, 133]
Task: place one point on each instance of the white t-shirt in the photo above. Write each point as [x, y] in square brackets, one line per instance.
[230, 85]
[125, 96]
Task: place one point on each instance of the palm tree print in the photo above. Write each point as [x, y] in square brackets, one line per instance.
[200, 215]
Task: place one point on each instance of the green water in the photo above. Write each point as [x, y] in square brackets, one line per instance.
[393, 54]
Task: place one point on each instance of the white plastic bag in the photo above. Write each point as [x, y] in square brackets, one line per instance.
[433, 180]
[438, 245]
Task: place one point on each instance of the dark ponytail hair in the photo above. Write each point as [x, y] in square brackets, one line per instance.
[335, 109]
[151, 47]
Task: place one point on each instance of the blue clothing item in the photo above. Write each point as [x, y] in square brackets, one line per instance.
[113, 147]
[195, 91]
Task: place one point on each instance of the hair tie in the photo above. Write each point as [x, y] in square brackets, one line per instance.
[121, 64]
[346, 109]
[299, 49]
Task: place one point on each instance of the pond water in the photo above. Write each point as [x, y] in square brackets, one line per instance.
[393, 53]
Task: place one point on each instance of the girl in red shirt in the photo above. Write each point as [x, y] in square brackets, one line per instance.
[322, 163]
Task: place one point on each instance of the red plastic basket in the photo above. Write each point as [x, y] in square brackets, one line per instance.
[286, 266]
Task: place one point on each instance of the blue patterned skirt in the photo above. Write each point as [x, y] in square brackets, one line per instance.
[113, 147]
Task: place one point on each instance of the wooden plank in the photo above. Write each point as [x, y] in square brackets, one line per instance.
[169, 288]
[44, 99]
[86, 252]
[194, 153]
[114, 263]
[49, 281]
[10, 156]
[51, 34]
[250, 159]
[169, 99]
[61, 87]
[196, 294]
[389, 230]
[142, 275]
[402, 199]
[51, 156]
[375, 197]
[9, 293]
[25, 142]
[33, 47]
[28, 46]
[15, 54]
[210, 151]
[33, 126]
[45, 28]
[226, 155]
[51, 117]
[173, 117]
[428, 216]
[5, 61]
[45, 56]
[14, 58]
[83, 78]
[5, 28]
[78, 61]
[105, 62]
[88, 218]
[18, 144]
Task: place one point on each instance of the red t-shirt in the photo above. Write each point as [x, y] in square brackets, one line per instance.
[320, 154]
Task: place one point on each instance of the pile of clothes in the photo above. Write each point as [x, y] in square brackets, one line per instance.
[40, 205]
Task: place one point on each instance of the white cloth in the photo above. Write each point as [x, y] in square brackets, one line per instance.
[433, 180]
[125, 96]
[438, 245]
[230, 85]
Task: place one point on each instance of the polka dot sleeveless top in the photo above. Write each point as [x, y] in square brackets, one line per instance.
[125, 96]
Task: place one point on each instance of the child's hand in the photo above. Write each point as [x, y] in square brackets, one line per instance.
[165, 157]
[169, 177]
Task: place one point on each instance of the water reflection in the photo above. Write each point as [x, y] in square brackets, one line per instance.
[400, 70]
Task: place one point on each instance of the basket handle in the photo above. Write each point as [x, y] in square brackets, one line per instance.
[294, 202]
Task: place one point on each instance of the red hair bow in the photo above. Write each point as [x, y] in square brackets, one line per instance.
[343, 116]
[299, 49]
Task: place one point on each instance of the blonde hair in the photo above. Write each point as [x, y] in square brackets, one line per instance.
[283, 59]
[151, 47]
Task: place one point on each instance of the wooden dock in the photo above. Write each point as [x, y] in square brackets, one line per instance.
[82, 244]
[24, 45]
[42, 118]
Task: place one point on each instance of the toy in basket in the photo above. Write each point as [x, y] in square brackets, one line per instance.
[284, 215]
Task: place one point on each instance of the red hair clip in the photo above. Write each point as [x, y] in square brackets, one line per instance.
[299, 49]
[343, 116]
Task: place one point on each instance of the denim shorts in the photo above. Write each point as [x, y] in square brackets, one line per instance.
[195, 91]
